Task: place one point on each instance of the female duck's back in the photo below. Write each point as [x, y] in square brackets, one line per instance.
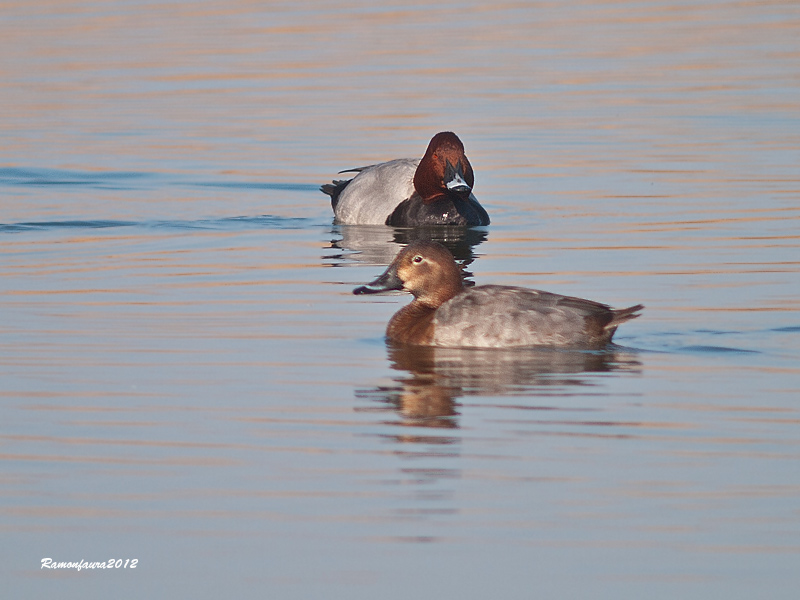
[495, 316]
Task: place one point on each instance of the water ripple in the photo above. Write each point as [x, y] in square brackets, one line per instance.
[130, 180]
[224, 223]
[705, 349]
[789, 329]
[58, 177]
[251, 185]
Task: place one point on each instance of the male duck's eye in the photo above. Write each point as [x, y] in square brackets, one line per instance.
[417, 259]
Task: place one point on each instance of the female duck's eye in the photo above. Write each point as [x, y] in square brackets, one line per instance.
[417, 259]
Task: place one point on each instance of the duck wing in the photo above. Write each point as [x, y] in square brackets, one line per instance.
[502, 316]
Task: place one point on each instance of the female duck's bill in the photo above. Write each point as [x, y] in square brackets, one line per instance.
[406, 192]
[446, 313]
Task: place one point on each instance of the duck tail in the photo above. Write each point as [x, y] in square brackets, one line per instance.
[624, 314]
[334, 189]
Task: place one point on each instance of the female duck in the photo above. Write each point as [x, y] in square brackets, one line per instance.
[409, 192]
[445, 313]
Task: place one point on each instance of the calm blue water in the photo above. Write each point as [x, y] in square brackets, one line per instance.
[187, 381]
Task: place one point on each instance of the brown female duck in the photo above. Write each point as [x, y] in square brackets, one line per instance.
[446, 313]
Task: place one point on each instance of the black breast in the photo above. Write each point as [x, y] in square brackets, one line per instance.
[445, 210]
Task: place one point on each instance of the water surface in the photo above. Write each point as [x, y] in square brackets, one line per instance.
[187, 380]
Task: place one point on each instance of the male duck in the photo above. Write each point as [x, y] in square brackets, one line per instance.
[445, 313]
[411, 192]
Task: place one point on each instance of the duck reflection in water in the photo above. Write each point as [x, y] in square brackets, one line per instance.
[378, 245]
[432, 379]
